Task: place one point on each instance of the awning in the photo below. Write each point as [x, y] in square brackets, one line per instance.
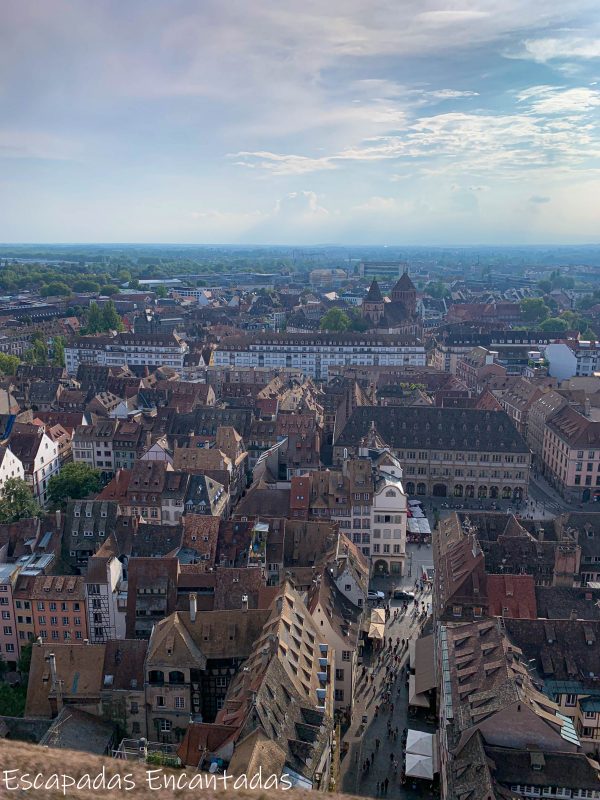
[424, 665]
[414, 699]
[419, 766]
[378, 616]
[417, 525]
[411, 653]
[420, 743]
[376, 631]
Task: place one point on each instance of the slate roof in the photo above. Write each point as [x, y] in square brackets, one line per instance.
[426, 427]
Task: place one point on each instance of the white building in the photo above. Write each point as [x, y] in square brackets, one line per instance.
[388, 519]
[106, 599]
[314, 353]
[39, 456]
[572, 358]
[149, 349]
[10, 466]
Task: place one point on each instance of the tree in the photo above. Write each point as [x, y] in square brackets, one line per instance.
[554, 324]
[17, 502]
[109, 289]
[110, 317]
[58, 348]
[86, 285]
[24, 662]
[37, 353]
[335, 320]
[94, 321]
[534, 309]
[55, 289]
[161, 291]
[8, 364]
[74, 482]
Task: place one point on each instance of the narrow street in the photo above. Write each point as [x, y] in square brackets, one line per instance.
[362, 739]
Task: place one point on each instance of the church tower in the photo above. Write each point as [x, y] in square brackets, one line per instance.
[373, 305]
[404, 292]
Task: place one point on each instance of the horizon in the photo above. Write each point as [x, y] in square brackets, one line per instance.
[199, 123]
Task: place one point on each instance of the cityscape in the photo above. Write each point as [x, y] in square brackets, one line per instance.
[300, 400]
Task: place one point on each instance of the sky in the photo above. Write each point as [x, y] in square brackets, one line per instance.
[276, 122]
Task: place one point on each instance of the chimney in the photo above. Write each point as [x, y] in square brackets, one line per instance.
[193, 606]
[244, 602]
[58, 518]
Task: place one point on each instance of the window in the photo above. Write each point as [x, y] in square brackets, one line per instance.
[134, 708]
[457, 611]
[339, 674]
[221, 682]
[346, 655]
[41, 620]
[571, 700]
[180, 702]
[160, 701]
[164, 725]
[339, 694]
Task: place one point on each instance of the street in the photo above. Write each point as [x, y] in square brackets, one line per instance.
[362, 739]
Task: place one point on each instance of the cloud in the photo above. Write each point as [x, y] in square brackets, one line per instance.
[449, 94]
[539, 199]
[300, 204]
[559, 100]
[553, 48]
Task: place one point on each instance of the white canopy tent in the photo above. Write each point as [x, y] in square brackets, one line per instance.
[419, 766]
[419, 743]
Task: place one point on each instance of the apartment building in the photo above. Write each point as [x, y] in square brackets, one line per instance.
[571, 455]
[445, 452]
[9, 638]
[58, 605]
[106, 597]
[315, 353]
[474, 367]
[149, 349]
[86, 527]
[38, 454]
[572, 357]
[10, 466]
[540, 411]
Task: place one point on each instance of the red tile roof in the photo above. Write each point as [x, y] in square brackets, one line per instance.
[512, 596]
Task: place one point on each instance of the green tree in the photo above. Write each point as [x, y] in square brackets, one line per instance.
[335, 320]
[8, 364]
[37, 353]
[110, 318]
[554, 324]
[545, 286]
[109, 289]
[58, 348]
[74, 482]
[86, 285]
[534, 309]
[24, 662]
[94, 320]
[55, 289]
[161, 291]
[17, 502]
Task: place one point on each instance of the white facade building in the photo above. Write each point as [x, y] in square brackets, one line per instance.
[315, 353]
[127, 349]
[10, 467]
[106, 600]
[574, 358]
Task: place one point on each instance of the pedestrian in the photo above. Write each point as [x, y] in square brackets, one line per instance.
[386, 783]
[377, 790]
[377, 743]
[372, 758]
[391, 709]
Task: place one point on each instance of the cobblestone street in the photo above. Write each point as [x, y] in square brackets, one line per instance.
[362, 739]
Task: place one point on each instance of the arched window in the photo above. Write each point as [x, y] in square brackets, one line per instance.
[156, 676]
[410, 488]
[421, 488]
[482, 492]
[458, 490]
[390, 493]
[470, 491]
[175, 676]
[506, 493]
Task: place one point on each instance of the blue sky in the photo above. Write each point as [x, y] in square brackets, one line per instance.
[350, 121]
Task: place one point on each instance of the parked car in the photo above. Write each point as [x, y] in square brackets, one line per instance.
[372, 595]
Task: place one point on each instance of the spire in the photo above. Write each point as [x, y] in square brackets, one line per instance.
[374, 294]
[404, 284]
